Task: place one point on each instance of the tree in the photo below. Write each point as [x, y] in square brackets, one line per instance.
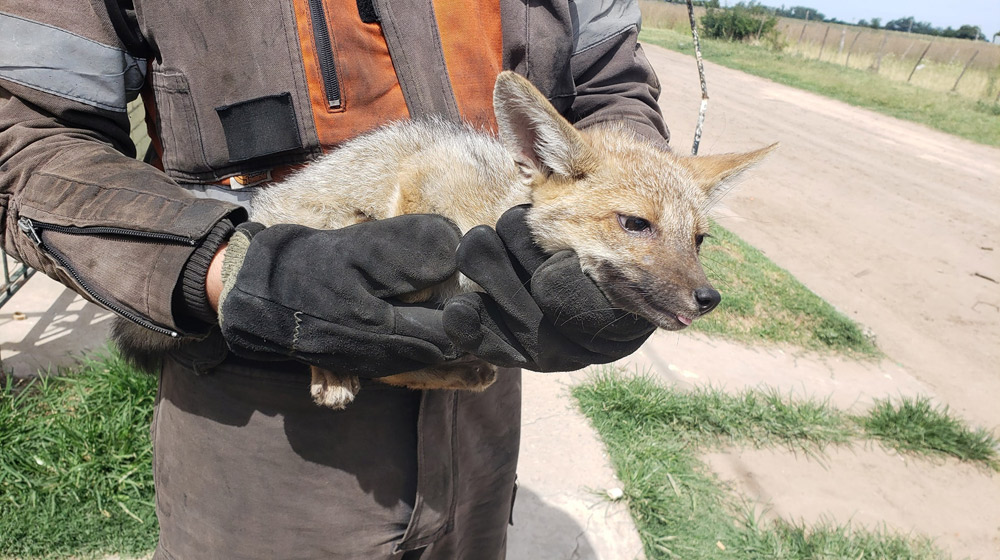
[800, 12]
[901, 24]
[740, 22]
[970, 32]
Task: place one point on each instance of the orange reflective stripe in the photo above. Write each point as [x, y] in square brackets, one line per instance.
[472, 41]
[369, 89]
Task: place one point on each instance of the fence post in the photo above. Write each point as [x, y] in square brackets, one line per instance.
[843, 35]
[971, 58]
[919, 60]
[701, 76]
[881, 48]
[820, 57]
[801, 33]
[847, 63]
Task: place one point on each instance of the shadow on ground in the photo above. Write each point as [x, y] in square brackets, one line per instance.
[46, 327]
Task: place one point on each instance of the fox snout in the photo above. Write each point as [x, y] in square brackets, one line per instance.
[707, 298]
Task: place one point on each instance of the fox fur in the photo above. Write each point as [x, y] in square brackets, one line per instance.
[634, 212]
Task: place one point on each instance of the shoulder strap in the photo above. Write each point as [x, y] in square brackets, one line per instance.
[123, 19]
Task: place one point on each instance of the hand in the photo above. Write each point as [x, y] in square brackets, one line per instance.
[539, 311]
[327, 297]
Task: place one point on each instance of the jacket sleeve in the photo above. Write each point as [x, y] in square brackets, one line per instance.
[614, 80]
[73, 202]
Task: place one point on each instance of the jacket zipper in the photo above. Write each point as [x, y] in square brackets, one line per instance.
[324, 50]
[32, 229]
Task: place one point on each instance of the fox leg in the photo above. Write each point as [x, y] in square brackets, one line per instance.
[335, 390]
[466, 373]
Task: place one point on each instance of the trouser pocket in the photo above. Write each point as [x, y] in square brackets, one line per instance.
[434, 508]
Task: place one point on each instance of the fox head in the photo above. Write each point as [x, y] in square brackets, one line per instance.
[634, 213]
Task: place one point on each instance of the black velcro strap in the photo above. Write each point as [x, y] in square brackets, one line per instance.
[366, 8]
[260, 127]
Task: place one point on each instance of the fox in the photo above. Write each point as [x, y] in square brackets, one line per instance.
[634, 212]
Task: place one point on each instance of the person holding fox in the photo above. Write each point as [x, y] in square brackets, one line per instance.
[240, 95]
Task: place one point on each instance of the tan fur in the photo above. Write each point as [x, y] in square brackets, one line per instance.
[583, 187]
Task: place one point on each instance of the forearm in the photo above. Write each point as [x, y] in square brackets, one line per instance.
[113, 228]
[615, 83]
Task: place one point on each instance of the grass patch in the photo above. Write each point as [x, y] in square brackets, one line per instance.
[76, 466]
[971, 119]
[653, 435]
[791, 541]
[764, 303]
[916, 425]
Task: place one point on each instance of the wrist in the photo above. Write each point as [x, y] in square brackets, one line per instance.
[213, 280]
[194, 289]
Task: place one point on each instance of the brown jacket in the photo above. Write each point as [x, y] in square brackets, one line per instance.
[239, 90]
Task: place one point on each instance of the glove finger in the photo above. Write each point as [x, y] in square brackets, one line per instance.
[406, 253]
[483, 258]
[567, 296]
[574, 303]
[423, 324]
[512, 227]
[412, 345]
[478, 328]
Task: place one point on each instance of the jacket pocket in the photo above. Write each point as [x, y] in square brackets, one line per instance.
[177, 125]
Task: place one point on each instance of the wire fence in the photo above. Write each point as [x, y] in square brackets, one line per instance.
[15, 275]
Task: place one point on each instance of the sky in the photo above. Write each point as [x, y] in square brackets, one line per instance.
[954, 13]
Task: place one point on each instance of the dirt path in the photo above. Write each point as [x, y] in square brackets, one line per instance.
[896, 225]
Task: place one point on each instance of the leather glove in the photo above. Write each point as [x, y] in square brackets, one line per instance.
[326, 297]
[539, 311]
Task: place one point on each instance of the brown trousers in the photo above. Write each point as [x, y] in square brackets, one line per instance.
[247, 466]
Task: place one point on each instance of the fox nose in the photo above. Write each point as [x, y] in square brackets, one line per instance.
[707, 298]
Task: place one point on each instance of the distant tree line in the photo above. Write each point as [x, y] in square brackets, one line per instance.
[907, 24]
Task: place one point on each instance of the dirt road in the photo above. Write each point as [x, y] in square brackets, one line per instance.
[896, 225]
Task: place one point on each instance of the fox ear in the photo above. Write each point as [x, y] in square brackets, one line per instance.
[715, 174]
[539, 137]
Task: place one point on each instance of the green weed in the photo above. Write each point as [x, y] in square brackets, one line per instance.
[764, 303]
[653, 435]
[917, 425]
[75, 470]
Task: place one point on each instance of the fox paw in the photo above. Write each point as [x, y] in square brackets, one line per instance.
[333, 390]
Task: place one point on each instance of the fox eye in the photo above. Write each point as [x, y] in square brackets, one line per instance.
[699, 239]
[634, 224]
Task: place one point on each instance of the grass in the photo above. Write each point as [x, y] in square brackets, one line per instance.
[654, 434]
[762, 303]
[969, 118]
[917, 425]
[75, 470]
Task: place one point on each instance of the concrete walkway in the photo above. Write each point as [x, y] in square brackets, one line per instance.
[562, 512]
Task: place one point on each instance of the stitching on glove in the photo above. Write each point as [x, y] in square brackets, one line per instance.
[295, 335]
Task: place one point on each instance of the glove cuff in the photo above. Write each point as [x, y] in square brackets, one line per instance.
[232, 262]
